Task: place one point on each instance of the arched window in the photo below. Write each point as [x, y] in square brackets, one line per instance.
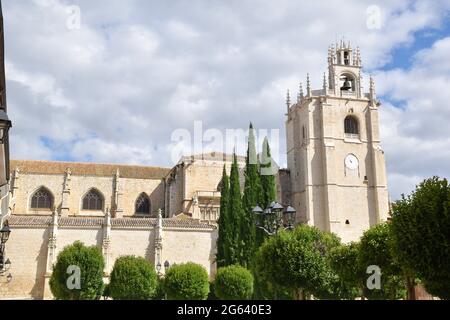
[93, 200]
[42, 199]
[143, 204]
[351, 126]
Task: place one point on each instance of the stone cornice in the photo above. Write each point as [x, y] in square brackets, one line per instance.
[23, 221]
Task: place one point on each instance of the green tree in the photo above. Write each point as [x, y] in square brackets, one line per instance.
[344, 262]
[268, 172]
[187, 281]
[252, 197]
[376, 250]
[233, 283]
[133, 278]
[420, 230]
[268, 186]
[235, 214]
[225, 239]
[297, 260]
[90, 264]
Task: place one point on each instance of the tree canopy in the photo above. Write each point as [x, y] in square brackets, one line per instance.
[187, 281]
[133, 278]
[297, 260]
[421, 229]
[78, 273]
[233, 283]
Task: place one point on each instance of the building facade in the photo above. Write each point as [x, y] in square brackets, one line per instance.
[336, 164]
[162, 214]
[335, 178]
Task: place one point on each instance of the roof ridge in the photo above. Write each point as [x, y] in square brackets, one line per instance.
[90, 163]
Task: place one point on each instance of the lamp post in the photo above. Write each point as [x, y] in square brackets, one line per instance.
[5, 263]
[158, 268]
[5, 125]
[274, 218]
[166, 266]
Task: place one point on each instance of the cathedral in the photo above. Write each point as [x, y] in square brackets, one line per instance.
[335, 179]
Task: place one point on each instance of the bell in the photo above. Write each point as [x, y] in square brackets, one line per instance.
[347, 85]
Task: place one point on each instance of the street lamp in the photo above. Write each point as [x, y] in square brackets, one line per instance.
[5, 125]
[4, 233]
[158, 268]
[166, 265]
[4, 236]
[274, 218]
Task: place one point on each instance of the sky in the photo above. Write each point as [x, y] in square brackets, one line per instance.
[125, 81]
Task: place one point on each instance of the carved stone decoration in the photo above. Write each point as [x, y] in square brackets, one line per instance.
[15, 181]
[106, 240]
[65, 208]
[158, 239]
[118, 195]
[52, 243]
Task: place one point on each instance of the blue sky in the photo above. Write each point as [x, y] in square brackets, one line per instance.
[403, 55]
[118, 85]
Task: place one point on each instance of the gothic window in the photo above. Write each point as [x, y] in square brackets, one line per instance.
[42, 199]
[351, 126]
[143, 204]
[93, 201]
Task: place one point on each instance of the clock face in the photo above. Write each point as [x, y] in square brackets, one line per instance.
[351, 162]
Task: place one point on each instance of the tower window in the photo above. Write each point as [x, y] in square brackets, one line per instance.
[93, 200]
[346, 58]
[42, 199]
[143, 204]
[351, 126]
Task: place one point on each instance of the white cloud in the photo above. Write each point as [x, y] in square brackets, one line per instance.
[417, 135]
[115, 89]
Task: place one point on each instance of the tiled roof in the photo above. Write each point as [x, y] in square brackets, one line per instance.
[87, 222]
[89, 169]
[29, 221]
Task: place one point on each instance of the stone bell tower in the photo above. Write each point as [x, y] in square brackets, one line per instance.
[336, 164]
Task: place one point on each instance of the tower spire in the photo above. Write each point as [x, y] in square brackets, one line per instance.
[358, 57]
[288, 101]
[325, 84]
[300, 95]
[372, 92]
[308, 86]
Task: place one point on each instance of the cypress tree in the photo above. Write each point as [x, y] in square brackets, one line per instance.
[252, 197]
[267, 176]
[224, 241]
[269, 190]
[235, 215]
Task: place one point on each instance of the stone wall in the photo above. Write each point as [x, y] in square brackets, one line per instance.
[36, 241]
[69, 187]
